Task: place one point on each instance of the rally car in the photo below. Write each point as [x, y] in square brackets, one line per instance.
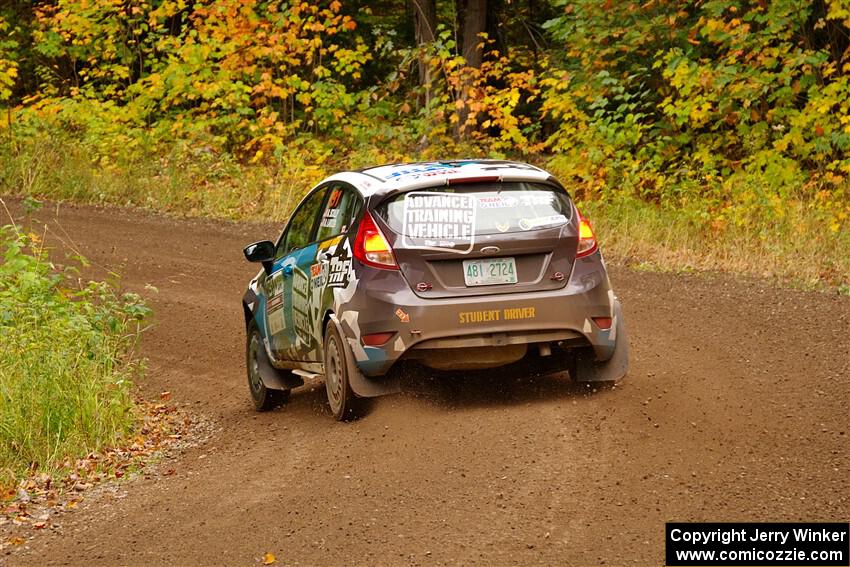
[455, 265]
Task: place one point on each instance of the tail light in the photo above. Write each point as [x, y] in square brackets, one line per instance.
[370, 246]
[586, 239]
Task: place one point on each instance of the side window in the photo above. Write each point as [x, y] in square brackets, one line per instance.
[299, 232]
[341, 208]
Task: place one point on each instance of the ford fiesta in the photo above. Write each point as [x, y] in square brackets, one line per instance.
[455, 265]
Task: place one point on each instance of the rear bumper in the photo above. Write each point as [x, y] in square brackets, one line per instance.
[384, 305]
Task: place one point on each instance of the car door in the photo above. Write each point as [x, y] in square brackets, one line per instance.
[286, 284]
[332, 269]
[318, 268]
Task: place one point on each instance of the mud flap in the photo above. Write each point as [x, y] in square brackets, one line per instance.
[362, 386]
[273, 378]
[615, 368]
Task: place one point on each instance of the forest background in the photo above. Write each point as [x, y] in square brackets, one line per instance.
[709, 134]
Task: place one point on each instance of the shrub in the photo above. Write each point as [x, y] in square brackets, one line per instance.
[66, 360]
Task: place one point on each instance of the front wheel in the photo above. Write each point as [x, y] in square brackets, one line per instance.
[344, 404]
[264, 398]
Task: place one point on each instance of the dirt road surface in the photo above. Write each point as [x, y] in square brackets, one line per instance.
[736, 408]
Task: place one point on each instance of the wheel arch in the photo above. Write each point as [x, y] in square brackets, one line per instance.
[329, 314]
[248, 314]
[249, 302]
[362, 386]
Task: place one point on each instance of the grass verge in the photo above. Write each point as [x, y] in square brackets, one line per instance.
[799, 248]
[66, 361]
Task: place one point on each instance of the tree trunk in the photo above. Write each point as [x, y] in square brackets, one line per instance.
[424, 29]
[474, 18]
[473, 23]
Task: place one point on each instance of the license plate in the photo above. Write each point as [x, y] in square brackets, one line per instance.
[489, 271]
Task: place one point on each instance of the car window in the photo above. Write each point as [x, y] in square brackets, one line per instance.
[341, 208]
[479, 208]
[299, 232]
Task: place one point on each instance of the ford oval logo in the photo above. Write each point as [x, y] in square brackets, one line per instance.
[490, 250]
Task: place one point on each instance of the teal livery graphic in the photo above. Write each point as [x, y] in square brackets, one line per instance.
[453, 265]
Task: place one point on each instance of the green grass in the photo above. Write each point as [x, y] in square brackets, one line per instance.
[800, 246]
[66, 361]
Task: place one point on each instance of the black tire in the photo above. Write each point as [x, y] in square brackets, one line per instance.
[264, 398]
[345, 406]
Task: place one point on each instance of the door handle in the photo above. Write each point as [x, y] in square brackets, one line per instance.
[287, 270]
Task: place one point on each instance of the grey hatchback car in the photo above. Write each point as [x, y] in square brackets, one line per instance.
[456, 265]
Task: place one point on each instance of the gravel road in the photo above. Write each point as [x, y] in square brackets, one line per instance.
[736, 408]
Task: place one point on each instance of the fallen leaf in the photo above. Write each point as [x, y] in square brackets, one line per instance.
[23, 495]
[164, 396]
[16, 541]
[269, 558]
[39, 525]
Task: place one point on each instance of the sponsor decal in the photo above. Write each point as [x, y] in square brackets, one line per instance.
[331, 214]
[339, 272]
[497, 202]
[536, 198]
[426, 170]
[402, 316]
[441, 221]
[275, 302]
[318, 275]
[274, 284]
[302, 320]
[276, 321]
[275, 316]
[539, 222]
[329, 218]
[333, 201]
[302, 326]
[488, 315]
[508, 165]
[435, 173]
[300, 283]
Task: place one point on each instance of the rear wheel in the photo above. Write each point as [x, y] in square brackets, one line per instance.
[264, 398]
[338, 369]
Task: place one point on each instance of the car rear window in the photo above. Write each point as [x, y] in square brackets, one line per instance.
[476, 209]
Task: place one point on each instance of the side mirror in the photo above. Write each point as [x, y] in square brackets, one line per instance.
[262, 252]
